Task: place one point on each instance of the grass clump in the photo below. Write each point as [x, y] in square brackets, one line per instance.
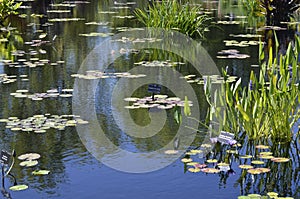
[171, 14]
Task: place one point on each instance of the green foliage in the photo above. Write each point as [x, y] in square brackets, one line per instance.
[275, 11]
[269, 107]
[7, 8]
[171, 14]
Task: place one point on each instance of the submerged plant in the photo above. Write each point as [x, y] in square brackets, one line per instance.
[269, 107]
[171, 14]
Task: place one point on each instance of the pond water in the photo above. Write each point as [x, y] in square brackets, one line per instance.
[54, 49]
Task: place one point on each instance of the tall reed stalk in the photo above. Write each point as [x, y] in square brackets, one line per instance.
[269, 107]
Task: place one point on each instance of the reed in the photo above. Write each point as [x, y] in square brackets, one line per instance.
[171, 14]
[268, 108]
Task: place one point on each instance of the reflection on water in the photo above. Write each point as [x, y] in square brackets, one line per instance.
[74, 172]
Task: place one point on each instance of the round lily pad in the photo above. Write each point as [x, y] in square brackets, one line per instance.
[272, 194]
[246, 156]
[201, 166]
[212, 161]
[196, 151]
[18, 187]
[280, 159]
[41, 172]
[194, 170]
[192, 163]
[266, 153]
[222, 164]
[245, 166]
[190, 153]
[186, 160]
[29, 163]
[267, 157]
[210, 170]
[257, 162]
[29, 156]
[262, 147]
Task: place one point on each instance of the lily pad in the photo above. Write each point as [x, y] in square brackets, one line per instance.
[257, 162]
[41, 172]
[18, 187]
[245, 166]
[210, 170]
[212, 161]
[29, 163]
[280, 159]
[29, 156]
[194, 170]
[262, 147]
[186, 160]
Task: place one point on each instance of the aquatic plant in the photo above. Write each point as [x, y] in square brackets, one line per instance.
[269, 107]
[275, 11]
[171, 14]
[7, 8]
[278, 11]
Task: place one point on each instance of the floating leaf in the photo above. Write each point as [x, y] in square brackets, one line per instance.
[186, 160]
[192, 163]
[196, 151]
[280, 159]
[222, 164]
[212, 161]
[257, 162]
[29, 156]
[272, 194]
[246, 156]
[262, 147]
[210, 170]
[265, 153]
[41, 172]
[245, 166]
[29, 163]
[194, 170]
[18, 187]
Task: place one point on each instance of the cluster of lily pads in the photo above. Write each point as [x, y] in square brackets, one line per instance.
[31, 62]
[52, 93]
[96, 34]
[157, 63]
[7, 79]
[269, 195]
[41, 123]
[29, 160]
[231, 53]
[241, 43]
[253, 167]
[159, 101]
[215, 79]
[95, 74]
[136, 40]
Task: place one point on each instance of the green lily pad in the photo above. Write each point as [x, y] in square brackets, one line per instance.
[41, 172]
[244, 166]
[18, 187]
[280, 159]
[29, 163]
[212, 161]
[186, 160]
[194, 170]
[29, 156]
[257, 162]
